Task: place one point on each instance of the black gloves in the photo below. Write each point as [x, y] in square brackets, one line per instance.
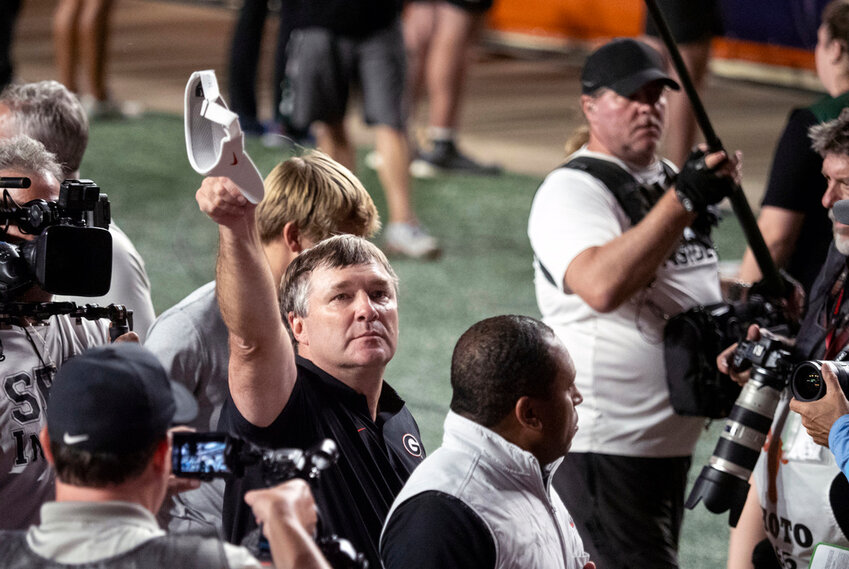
[698, 186]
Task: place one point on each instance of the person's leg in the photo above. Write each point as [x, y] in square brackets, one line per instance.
[317, 74]
[609, 496]
[381, 67]
[419, 25]
[393, 148]
[244, 58]
[65, 41]
[455, 31]
[94, 41]
[457, 27]
[332, 139]
[576, 481]
[8, 15]
[288, 10]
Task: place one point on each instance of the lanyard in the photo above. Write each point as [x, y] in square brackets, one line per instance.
[834, 342]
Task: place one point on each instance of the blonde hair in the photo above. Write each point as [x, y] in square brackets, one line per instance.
[319, 195]
[579, 137]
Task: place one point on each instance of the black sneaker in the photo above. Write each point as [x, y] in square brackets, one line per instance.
[444, 158]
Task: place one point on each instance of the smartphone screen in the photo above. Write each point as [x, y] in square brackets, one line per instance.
[202, 455]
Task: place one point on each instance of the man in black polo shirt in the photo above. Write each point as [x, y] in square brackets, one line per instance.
[340, 302]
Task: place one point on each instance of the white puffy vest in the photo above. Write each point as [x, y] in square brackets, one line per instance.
[503, 484]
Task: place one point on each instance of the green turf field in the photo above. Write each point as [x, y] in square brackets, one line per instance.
[485, 268]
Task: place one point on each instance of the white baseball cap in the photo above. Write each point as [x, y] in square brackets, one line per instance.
[214, 140]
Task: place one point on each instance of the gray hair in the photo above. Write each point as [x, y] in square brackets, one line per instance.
[48, 112]
[831, 137]
[29, 156]
[334, 252]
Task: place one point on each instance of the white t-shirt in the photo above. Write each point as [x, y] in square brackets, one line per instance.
[26, 481]
[794, 489]
[618, 355]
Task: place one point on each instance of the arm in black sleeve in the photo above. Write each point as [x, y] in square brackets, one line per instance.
[434, 530]
[795, 181]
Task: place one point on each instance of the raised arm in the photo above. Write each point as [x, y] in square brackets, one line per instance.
[780, 228]
[262, 359]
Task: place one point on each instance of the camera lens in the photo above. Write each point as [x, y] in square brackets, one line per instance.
[808, 384]
[723, 484]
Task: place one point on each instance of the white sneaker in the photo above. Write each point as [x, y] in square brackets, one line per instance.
[110, 109]
[411, 240]
[373, 160]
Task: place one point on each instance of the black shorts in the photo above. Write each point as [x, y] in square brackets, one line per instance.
[475, 6]
[628, 509]
[690, 21]
[323, 67]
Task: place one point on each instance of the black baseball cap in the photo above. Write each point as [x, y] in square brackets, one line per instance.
[115, 398]
[624, 65]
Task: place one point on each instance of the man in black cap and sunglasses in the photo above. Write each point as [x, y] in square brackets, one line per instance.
[107, 437]
[621, 243]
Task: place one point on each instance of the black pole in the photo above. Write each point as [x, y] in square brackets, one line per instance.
[773, 283]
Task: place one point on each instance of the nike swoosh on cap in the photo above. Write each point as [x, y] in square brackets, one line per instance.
[69, 439]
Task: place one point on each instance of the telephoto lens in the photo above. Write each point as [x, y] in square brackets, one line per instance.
[808, 384]
[724, 483]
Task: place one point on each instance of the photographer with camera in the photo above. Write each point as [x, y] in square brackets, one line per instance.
[107, 437]
[621, 244]
[339, 300]
[798, 496]
[827, 419]
[48, 112]
[32, 349]
[482, 500]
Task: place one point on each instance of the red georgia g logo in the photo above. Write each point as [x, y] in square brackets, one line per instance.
[412, 445]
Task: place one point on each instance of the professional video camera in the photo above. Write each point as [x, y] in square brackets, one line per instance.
[72, 251]
[219, 455]
[724, 483]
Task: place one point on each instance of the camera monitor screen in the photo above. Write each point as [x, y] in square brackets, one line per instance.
[202, 455]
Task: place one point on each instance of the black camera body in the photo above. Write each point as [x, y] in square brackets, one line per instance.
[72, 251]
[219, 455]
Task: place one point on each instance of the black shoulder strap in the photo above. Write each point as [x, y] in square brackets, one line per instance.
[636, 199]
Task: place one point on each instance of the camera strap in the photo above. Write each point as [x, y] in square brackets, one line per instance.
[838, 331]
[635, 199]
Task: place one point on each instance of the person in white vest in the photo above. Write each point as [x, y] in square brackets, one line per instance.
[484, 498]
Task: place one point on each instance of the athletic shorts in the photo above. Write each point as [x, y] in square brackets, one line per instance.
[690, 21]
[476, 6]
[323, 67]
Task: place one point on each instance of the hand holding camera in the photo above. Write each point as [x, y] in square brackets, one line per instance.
[218, 455]
[827, 382]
